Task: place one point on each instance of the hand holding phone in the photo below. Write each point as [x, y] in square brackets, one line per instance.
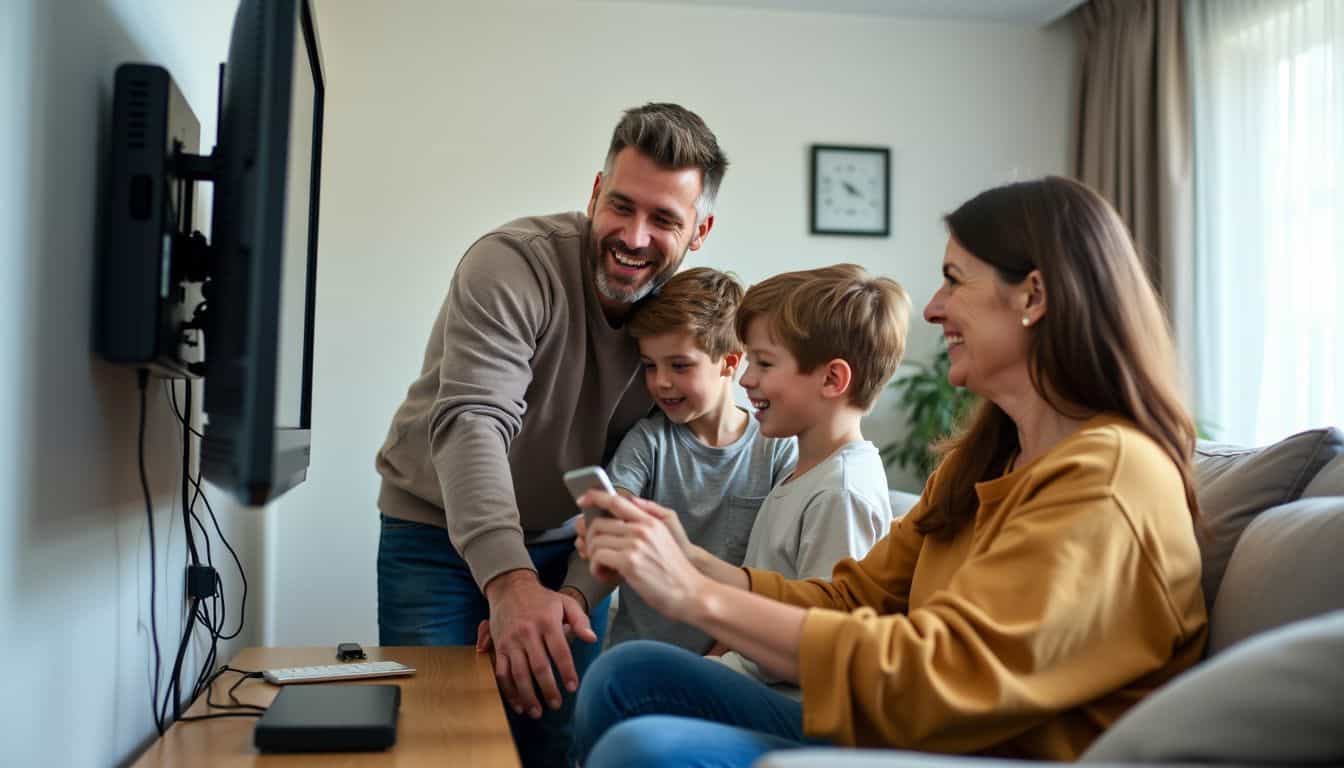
[580, 481]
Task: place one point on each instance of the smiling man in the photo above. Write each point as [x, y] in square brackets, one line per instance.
[529, 372]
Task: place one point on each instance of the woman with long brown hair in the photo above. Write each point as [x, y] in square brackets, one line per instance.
[1047, 580]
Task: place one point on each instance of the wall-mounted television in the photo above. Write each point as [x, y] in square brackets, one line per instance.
[237, 310]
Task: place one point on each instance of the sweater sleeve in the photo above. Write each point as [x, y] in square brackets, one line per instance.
[493, 314]
[1062, 607]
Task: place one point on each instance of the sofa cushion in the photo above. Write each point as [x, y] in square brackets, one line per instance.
[1287, 566]
[1235, 484]
[1272, 700]
[1328, 482]
[843, 757]
[839, 757]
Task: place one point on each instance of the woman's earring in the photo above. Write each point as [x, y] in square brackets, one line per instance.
[1026, 321]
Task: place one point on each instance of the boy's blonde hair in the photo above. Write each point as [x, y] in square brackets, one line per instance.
[699, 301]
[835, 312]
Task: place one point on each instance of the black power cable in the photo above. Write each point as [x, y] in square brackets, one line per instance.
[171, 394]
[142, 380]
[243, 710]
[200, 493]
[242, 574]
[204, 614]
[174, 692]
[186, 474]
[209, 614]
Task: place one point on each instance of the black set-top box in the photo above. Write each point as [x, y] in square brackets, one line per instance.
[330, 718]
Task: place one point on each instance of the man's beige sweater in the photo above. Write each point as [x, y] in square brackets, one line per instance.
[523, 379]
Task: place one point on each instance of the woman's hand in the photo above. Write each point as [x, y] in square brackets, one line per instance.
[670, 519]
[601, 573]
[638, 543]
[708, 564]
[667, 516]
[645, 546]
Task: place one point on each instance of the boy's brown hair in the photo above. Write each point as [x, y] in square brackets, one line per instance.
[837, 312]
[699, 301]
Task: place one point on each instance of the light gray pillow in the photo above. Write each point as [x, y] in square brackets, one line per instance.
[845, 757]
[1235, 484]
[1288, 566]
[1328, 482]
[842, 757]
[1275, 699]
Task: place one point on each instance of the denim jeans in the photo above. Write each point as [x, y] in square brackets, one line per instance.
[426, 596]
[653, 704]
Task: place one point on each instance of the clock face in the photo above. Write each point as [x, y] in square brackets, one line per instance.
[849, 191]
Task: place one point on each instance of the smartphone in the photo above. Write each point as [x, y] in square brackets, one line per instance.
[584, 479]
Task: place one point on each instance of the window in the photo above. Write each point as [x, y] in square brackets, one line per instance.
[1268, 80]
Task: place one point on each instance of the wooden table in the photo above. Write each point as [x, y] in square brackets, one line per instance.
[451, 714]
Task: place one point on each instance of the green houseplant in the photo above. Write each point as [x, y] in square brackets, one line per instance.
[934, 409]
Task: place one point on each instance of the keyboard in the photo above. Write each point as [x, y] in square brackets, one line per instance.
[327, 672]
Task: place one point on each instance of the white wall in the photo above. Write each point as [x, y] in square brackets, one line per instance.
[74, 554]
[445, 119]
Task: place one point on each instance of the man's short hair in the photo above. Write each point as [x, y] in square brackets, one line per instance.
[674, 138]
[838, 312]
[701, 302]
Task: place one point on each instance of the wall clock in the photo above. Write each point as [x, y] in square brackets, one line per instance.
[850, 189]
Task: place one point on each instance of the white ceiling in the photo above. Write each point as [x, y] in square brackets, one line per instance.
[1027, 12]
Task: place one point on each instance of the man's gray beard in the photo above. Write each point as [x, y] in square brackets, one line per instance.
[613, 293]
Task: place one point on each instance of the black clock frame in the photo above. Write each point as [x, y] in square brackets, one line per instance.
[886, 190]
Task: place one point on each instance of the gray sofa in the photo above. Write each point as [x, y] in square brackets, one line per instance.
[1271, 691]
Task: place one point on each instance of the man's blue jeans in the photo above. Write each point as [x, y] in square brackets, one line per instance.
[426, 596]
[653, 704]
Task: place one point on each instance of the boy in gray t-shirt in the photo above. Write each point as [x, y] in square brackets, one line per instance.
[701, 454]
[837, 509]
[821, 345]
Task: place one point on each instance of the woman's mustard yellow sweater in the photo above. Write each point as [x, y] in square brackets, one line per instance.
[1073, 594]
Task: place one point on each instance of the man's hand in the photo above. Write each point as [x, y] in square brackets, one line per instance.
[527, 628]
[484, 643]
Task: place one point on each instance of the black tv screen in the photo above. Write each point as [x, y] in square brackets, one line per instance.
[260, 298]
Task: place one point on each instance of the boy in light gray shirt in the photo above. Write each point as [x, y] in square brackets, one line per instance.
[700, 453]
[821, 344]
[835, 510]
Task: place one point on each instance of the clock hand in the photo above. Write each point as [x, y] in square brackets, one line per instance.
[850, 188]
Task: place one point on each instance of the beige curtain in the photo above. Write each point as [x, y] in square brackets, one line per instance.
[1134, 136]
